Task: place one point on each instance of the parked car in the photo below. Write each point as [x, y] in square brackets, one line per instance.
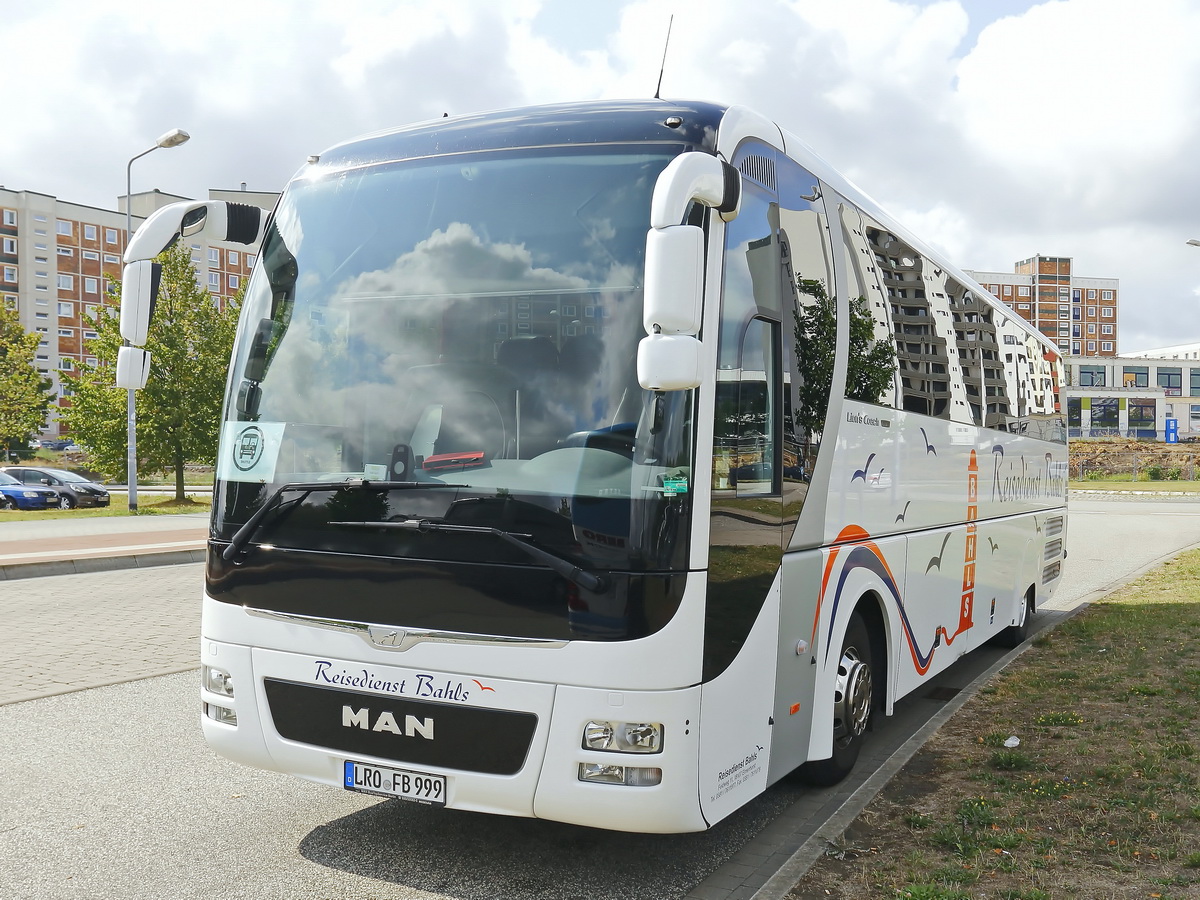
[73, 490]
[55, 443]
[15, 495]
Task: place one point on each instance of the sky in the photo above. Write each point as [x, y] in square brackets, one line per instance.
[994, 129]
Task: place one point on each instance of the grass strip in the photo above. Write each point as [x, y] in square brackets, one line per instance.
[1098, 797]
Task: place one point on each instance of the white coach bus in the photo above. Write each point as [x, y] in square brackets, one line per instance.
[602, 463]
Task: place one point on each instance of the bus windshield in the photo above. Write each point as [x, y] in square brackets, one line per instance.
[464, 328]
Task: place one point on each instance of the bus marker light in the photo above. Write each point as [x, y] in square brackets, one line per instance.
[222, 714]
[630, 776]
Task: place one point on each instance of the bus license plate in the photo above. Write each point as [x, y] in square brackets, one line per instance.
[402, 783]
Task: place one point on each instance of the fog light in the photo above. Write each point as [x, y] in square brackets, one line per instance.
[217, 680]
[631, 776]
[222, 714]
[623, 737]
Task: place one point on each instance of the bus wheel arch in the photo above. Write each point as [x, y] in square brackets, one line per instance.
[860, 685]
[1015, 635]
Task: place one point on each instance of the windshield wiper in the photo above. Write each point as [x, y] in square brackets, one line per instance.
[242, 536]
[589, 581]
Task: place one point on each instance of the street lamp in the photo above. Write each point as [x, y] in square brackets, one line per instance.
[172, 138]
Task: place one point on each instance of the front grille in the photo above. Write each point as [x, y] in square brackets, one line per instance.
[469, 738]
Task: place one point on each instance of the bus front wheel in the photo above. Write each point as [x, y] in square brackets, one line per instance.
[853, 703]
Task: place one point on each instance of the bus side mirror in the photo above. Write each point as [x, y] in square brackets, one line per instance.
[669, 362]
[133, 368]
[674, 297]
[139, 291]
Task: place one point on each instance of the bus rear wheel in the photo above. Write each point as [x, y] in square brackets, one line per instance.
[853, 703]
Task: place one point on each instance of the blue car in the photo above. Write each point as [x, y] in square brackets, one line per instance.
[14, 495]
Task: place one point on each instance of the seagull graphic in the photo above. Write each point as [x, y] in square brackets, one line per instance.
[929, 448]
[993, 544]
[900, 518]
[862, 473]
[936, 562]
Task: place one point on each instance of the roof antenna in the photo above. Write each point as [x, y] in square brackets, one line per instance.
[663, 67]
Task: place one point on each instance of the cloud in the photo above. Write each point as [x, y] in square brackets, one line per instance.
[1065, 127]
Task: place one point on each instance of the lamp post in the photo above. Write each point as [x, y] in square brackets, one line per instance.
[172, 138]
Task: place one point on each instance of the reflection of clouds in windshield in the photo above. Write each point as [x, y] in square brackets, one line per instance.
[457, 261]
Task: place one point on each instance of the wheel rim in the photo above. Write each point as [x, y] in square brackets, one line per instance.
[64, 503]
[852, 697]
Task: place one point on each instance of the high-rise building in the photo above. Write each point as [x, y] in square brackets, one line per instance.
[57, 258]
[1078, 313]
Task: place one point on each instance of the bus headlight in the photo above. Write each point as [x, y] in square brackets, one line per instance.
[623, 737]
[217, 680]
[631, 776]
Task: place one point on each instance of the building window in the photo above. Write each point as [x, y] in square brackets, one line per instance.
[214, 256]
[1135, 376]
[1075, 347]
[10, 246]
[233, 257]
[66, 282]
[1022, 306]
[112, 259]
[90, 285]
[250, 258]
[1091, 376]
[65, 364]
[1105, 329]
[91, 254]
[1076, 295]
[89, 232]
[66, 251]
[214, 279]
[1092, 327]
[10, 301]
[233, 282]
[1141, 413]
[66, 310]
[1106, 346]
[1091, 293]
[1104, 412]
[110, 235]
[1091, 346]
[10, 217]
[65, 228]
[1091, 311]
[1106, 312]
[10, 274]
[1171, 379]
[1106, 295]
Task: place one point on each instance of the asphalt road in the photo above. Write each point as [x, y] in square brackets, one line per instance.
[111, 792]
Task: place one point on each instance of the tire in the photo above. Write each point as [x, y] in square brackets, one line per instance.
[1016, 635]
[65, 502]
[7, 503]
[853, 707]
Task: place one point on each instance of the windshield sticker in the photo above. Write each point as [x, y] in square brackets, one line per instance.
[675, 484]
[249, 451]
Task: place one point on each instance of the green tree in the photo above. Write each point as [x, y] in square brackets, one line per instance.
[871, 364]
[179, 410]
[25, 394]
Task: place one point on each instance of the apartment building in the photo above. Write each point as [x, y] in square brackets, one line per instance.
[57, 259]
[1079, 313]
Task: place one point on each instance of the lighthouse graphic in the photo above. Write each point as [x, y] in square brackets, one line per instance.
[967, 606]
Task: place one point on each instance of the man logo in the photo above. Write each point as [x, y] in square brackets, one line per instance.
[386, 721]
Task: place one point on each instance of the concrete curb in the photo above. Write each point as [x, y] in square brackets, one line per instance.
[89, 565]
